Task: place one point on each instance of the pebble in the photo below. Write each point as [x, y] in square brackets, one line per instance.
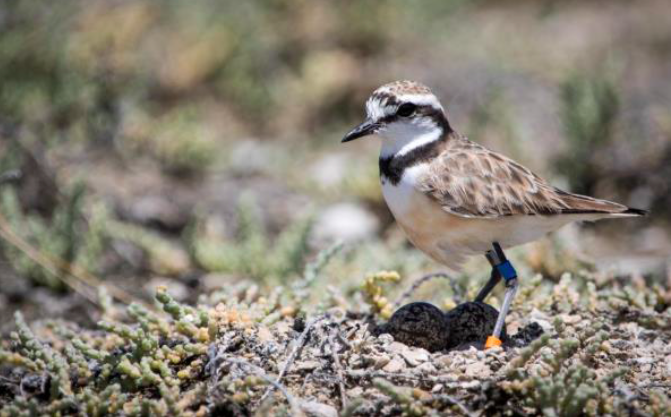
[426, 368]
[381, 361]
[396, 347]
[542, 319]
[307, 365]
[265, 335]
[385, 339]
[570, 319]
[355, 360]
[394, 365]
[316, 409]
[444, 361]
[415, 356]
[477, 370]
[471, 384]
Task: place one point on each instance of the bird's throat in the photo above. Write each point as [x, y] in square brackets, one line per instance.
[402, 153]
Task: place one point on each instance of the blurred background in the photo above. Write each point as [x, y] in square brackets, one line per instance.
[197, 144]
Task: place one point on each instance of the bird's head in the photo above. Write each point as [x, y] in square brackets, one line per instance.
[402, 112]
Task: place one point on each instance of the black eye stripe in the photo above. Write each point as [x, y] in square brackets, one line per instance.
[406, 109]
[426, 110]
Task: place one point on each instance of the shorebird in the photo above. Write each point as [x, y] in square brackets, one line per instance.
[455, 198]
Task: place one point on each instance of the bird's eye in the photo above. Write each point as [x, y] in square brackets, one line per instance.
[406, 109]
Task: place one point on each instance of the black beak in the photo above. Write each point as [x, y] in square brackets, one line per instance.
[368, 127]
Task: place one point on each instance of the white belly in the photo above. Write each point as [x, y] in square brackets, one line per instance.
[448, 238]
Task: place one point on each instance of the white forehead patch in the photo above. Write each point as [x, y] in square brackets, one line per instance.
[421, 100]
[377, 106]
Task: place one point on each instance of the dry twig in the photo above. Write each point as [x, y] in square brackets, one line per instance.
[295, 408]
[302, 340]
[75, 277]
[418, 282]
[337, 366]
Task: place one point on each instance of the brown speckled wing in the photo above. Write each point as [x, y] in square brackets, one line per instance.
[469, 180]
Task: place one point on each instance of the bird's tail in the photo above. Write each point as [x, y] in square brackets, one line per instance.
[582, 204]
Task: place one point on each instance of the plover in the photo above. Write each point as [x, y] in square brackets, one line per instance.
[455, 198]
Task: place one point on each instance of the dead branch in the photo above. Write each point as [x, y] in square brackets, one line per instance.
[419, 282]
[302, 340]
[75, 277]
[337, 367]
[295, 408]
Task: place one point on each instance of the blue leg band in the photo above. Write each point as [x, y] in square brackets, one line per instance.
[506, 270]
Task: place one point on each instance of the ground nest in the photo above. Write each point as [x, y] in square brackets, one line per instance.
[568, 354]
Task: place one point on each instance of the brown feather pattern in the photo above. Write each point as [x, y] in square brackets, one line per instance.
[469, 180]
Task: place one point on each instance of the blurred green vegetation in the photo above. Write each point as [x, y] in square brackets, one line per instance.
[590, 105]
[251, 254]
[86, 70]
[196, 145]
[103, 102]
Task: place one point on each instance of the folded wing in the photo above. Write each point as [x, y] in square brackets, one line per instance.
[469, 180]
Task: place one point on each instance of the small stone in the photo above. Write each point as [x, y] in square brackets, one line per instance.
[316, 409]
[355, 392]
[542, 319]
[570, 319]
[265, 335]
[282, 328]
[355, 360]
[426, 368]
[381, 361]
[394, 365]
[444, 361]
[470, 385]
[437, 388]
[396, 347]
[385, 339]
[414, 357]
[545, 325]
[307, 365]
[477, 370]
[606, 347]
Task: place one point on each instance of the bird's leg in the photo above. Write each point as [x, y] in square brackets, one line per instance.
[504, 269]
[494, 279]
